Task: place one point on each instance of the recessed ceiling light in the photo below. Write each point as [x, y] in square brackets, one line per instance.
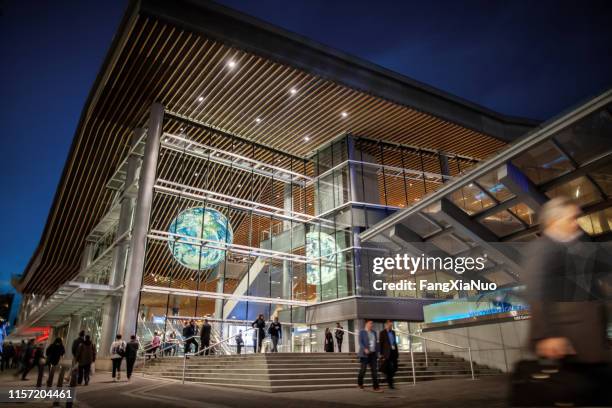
[306, 138]
[165, 139]
[182, 129]
[231, 64]
[196, 174]
[293, 91]
[200, 98]
[471, 185]
[258, 120]
[239, 185]
[344, 114]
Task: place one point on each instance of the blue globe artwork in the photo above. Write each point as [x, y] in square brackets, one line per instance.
[205, 223]
[324, 246]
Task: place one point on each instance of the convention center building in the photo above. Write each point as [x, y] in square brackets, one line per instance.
[224, 168]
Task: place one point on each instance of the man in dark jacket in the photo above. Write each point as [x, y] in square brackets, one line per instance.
[85, 357]
[389, 353]
[189, 332]
[369, 347]
[76, 343]
[55, 352]
[205, 336]
[131, 352]
[339, 334]
[27, 359]
[275, 331]
[566, 281]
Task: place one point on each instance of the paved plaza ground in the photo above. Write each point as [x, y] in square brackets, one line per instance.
[489, 392]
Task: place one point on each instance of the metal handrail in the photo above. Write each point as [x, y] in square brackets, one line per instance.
[469, 349]
[185, 356]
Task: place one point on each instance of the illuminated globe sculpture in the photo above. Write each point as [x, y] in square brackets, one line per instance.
[324, 246]
[205, 224]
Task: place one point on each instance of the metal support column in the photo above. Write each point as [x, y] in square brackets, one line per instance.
[355, 189]
[73, 332]
[128, 317]
[110, 311]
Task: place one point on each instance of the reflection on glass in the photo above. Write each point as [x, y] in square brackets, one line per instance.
[589, 137]
[502, 223]
[491, 183]
[597, 223]
[526, 214]
[471, 199]
[603, 177]
[543, 163]
[581, 190]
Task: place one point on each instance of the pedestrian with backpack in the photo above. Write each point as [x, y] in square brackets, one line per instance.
[117, 352]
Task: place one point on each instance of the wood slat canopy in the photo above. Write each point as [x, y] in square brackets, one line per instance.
[240, 93]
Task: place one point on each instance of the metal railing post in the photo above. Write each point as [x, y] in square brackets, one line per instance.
[425, 350]
[184, 366]
[471, 362]
[412, 362]
[144, 363]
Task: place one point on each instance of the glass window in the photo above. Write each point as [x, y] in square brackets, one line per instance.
[491, 183]
[603, 177]
[543, 163]
[526, 214]
[581, 190]
[597, 223]
[502, 223]
[471, 199]
[589, 137]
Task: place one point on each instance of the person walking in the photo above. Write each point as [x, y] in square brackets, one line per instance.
[276, 333]
[54, 353]
[567, 284]
[85, 357]
[75, 345]
[155, 343]
[339, 334]
[205, 336]
[117, 351]
[368, 355]
[8, 356]
[189, 332]
[131, 352]
[260, 332]
[27, 359]
[389, 353]
[239, 342]
[328, 343]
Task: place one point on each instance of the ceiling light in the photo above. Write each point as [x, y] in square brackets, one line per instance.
[196, 174]
[166, 139]
[293, 91]
[258, 120]
[344, 114]
[231, 64]
[200, 98]
[306, 138]
[239, 185]
[471, 185]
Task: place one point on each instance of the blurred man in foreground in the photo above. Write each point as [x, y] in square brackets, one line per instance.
[567, 283]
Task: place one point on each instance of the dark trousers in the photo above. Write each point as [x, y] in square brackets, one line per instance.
[238, 348]
[188, 344]
[274, 344]
[26, 369]
[389, 367]
[339, 343]
[205, 344]
[84, 371]
[116, 366]
[260, 339]
[129, 363]
[370, 360]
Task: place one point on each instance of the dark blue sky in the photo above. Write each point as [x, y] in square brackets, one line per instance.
[525, 58]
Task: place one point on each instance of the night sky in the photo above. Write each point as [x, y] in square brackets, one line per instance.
[523, 58]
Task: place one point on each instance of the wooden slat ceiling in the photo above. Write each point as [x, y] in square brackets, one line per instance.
[190, 75]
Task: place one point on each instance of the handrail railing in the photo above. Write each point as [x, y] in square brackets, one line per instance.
[469, 349]
[186, 355]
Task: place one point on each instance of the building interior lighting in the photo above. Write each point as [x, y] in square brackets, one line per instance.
[344, 114]
[306, 138]
[200, 98]
[293, 91]
[231, 64]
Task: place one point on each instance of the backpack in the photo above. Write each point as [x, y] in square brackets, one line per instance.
[120, 349]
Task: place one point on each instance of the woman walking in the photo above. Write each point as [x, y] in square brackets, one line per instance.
[329, 341]
[117, 352]
[86, 355]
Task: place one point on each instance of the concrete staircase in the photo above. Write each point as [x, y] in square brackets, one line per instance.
[302, 371]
